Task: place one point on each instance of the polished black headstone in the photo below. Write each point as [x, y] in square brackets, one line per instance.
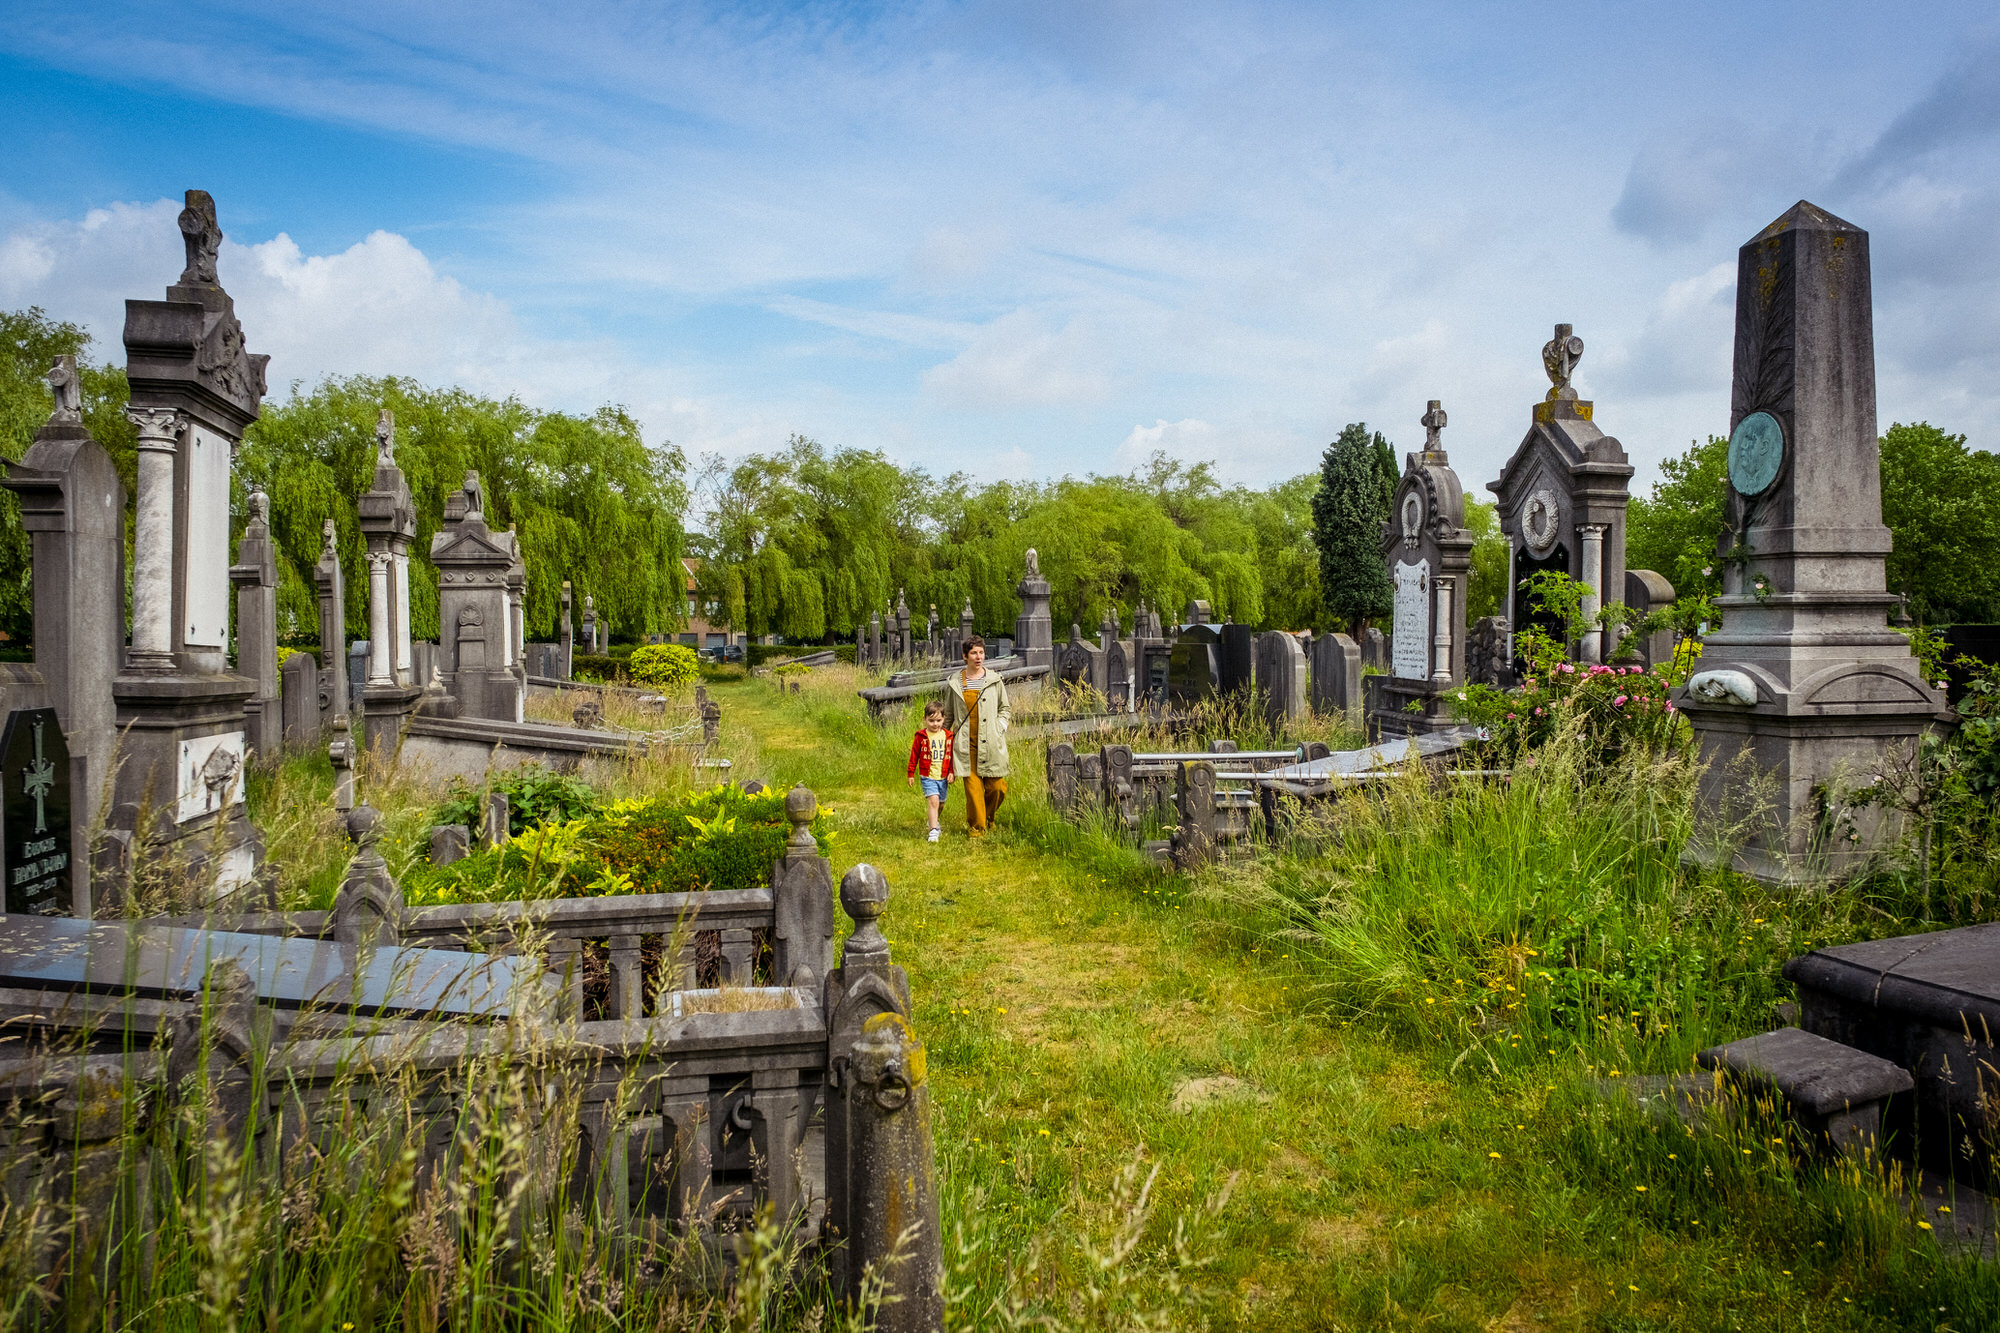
[35, 813]
[145, 959]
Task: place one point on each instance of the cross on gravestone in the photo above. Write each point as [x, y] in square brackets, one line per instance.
[35, 812]
[1433, 422]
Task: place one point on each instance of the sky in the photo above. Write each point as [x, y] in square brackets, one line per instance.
[1020, 239]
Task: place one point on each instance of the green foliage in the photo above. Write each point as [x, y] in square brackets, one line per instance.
[1486, 590]
[597, 666]
[1674, 531]
[535, 796]
[663, 664]
[722, 838]
[589, 499]
[1348, 511]
[1941, 500]
[29, 344]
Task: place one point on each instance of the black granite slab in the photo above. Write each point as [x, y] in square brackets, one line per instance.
[148, 959]
[1818, 1076]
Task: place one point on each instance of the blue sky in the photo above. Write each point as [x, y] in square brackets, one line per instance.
[1020, 239]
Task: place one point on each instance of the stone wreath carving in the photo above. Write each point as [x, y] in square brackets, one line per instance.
[470, 616]
[1413, 518]
[1540, 522]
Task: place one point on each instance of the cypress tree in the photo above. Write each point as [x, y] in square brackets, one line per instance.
[1349, 508]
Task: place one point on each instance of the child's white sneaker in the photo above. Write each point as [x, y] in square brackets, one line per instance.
[933, 836]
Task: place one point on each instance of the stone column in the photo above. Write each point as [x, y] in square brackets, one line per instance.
[153, 540]
[1592, 535]
[1507, 602]
[1441, 636]
[381, 669]
[255, 575]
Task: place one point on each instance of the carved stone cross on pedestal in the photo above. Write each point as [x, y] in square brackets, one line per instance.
[1433, 424]
[1559, 357]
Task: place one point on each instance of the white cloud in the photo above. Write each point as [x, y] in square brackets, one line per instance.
[1023, 359]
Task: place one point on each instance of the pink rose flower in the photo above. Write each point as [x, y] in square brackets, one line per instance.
[1619, 702]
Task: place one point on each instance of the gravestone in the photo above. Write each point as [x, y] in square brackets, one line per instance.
[565, 635]
[1647, 592]
[477, 609]
[331, 585]
[902, 628]
[1076, 661]
[1429, 553]
[1486, 660]
[1336, 675]
[1194, 665]
[1374, 649]
[73, 511]
[299, 690]
[35, 810]
[1562, 500]
[1118, 677]
[181, 710]
[590, 643]
[1281, 678]
[1806, 676]
[1062, 768]
[1239, 658]
[255, 575]
[1034, 631]
[391, 690]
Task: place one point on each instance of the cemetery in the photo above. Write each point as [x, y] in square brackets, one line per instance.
[1531, 928]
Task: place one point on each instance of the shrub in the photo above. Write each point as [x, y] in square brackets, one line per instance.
[663, 664]
[720, 839]
[535, 796]
[601, 667]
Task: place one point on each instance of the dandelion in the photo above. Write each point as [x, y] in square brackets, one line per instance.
[1926, 1226]
[1043, 1132]
[1494, 1155]
[1943, 1209]
[1630, 1287]
[1640, 1188]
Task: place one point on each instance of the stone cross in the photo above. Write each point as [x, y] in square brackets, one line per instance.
[1433, 424]
[1559, 357]
[38, 779]
[202, 235]
[68, 389]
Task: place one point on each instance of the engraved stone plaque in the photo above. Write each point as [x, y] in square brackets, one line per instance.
[211, 775]
[1411, 658]
[206, 541]
[35, 811]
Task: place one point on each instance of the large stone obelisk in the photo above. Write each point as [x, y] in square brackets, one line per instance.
[195, 389]
[1805, 680]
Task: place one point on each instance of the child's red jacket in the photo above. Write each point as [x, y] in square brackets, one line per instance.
[920, 753]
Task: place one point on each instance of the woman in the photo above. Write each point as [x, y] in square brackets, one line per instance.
[979, 711]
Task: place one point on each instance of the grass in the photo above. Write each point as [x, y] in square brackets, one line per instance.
[1396, 1163]
[1379, 1141]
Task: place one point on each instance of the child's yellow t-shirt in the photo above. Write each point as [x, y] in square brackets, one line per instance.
[937, 749]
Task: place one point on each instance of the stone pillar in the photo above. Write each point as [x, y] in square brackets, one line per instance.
[1062, 769]
[590, 624]
[802, 902]
[566, 635]
[380, 653]
[153, 540]
[1591, 538]
[1805, 676]
[330, 581]
[73, 510]
[1441, 640]
[880, 1168]
[255, 575]
[965, 623]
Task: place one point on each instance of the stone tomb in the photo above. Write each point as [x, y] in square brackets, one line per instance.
[37, 855]
[478, 609]
[1806, 675]
[1428, 550]
[195, 389]
[1562, 501]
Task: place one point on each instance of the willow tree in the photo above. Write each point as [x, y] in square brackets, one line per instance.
[590, 500]
[1348, 510]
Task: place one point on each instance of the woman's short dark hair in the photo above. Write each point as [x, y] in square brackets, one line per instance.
[965, 649]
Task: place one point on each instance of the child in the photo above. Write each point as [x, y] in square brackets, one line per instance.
[930, 758]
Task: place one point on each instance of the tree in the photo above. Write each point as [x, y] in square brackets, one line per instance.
[1942, 504]
[1674, 531]
[1486, 584]
[29, 344]
[1348, 511]
[590, 501]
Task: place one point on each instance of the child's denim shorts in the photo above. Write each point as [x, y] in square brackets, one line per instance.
[935, 787]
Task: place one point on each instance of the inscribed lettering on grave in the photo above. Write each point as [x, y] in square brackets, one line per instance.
[1411, 659]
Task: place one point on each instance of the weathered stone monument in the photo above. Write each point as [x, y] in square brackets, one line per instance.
[73, 510]
[1034, 631]
[1281, 677]
[195, 388]
[477, 608]
[1429, 553]
[389, 522]
[1336, 675]
[1562, 499]
[255, 575]
[330, 585]
[590, 643]
[1805, 676]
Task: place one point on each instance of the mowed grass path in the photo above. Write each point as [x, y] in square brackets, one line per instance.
[1066, 992]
